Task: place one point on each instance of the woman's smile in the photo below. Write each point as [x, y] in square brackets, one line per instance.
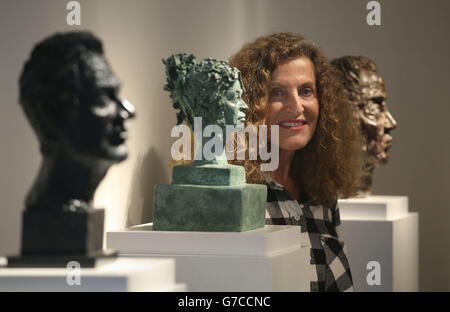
[293, 103]
[293, 125]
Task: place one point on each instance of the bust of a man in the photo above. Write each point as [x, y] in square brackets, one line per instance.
[209, 89]
[367, 91]
[207, 194]
[70, 96]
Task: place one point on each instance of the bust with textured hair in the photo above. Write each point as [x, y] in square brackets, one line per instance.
[207, 194]
[366, 90]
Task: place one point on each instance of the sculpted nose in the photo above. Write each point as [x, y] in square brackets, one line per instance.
[243, 107]
[390, 121]
[127, 110]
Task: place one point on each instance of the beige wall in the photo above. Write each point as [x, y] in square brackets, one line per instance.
[410, 47]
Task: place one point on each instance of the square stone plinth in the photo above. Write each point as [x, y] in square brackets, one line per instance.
[62, 232]
[209, 208]
[208, 175]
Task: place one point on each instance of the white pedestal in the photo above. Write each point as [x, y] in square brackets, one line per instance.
[268, 259]
[122, 274]
[380, 228]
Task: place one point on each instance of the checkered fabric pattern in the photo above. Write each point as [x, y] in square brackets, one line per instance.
[319, 230]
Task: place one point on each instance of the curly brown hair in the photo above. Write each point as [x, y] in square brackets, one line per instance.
[329, 165]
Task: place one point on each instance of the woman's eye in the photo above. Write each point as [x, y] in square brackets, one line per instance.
[275, 93]
[306, 92]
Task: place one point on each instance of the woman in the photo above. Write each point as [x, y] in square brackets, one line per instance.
[290, 83]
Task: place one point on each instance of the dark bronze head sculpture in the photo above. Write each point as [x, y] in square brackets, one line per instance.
[70, 96]
[367, 91]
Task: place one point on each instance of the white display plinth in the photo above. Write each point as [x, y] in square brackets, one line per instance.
[267, 259]
[122, 274]
[380, 228]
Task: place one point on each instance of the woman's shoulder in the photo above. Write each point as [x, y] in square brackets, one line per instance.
[319, 217]
[322, 217]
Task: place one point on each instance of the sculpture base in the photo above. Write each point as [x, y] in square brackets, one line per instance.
[208, 175]
[381, 229]
[128, 274]
[61, 260]
[209, 208]
[63, 232]
[268, 259]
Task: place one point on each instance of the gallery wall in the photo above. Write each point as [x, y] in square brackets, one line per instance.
[410, 47]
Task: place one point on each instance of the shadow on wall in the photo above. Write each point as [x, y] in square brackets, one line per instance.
[150, 170]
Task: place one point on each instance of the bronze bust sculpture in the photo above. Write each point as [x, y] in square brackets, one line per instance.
[208, 194]
[209, 89]
[367, 91]
[70, 96]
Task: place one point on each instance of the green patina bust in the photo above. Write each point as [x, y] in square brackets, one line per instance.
[209, 89]
[208, 194]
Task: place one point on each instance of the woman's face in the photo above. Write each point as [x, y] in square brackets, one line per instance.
[293, 103]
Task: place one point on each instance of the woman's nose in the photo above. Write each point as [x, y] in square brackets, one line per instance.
[295, 105]
[127, 110]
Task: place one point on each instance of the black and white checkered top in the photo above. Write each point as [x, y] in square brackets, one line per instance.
[319, 227]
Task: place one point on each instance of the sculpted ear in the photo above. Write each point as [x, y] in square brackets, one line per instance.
[47, 122]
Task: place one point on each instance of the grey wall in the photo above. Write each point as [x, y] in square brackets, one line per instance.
[410, 47]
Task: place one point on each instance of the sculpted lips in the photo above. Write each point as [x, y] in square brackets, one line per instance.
[387, 141]
[293, 125]
[241, 117]
[118, 136]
